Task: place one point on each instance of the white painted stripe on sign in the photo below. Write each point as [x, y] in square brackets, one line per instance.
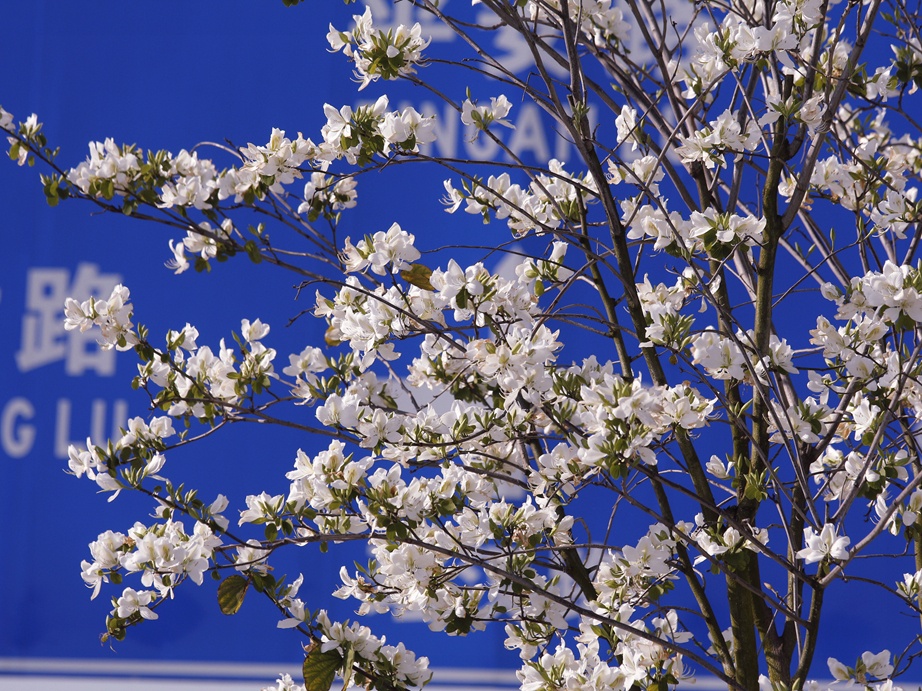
[63, 674]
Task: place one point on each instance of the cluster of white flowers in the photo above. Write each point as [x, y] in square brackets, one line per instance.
[905, 516]
[640, 660]
[108, 166]
[393, 662]
[359, 134]
[377, 53]
[442, 590]
[164, 555]
[267, 167]
[722, 135]
[868, 667]
[369, 317]
[644, 172]
[649, 220]
[729, 229]
[839, 473]
[111, 316]
[481, 117]
[873, 180]
[911, 586]
[884, 199]
[541, 271]
[893, 293]
[192, 182]
[149, 434]
[203, 241]
[717, 50]
[304, 368]
[27, 135]
[364, 318]
[99, 465]
[388, 663]
[744, 36]
[827, 544]
[637, 575]
[859, 353]
[662, 306]
[185, 180]
[723, 541]
[194, 373]
[726, 357]
[621, 421]
[710, 232]
[547, 203]
[324, 194]
[392, 248]
[854, 345]
[808, 420]
[601, 21]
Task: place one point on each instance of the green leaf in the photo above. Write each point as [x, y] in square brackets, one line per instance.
[271, 531]
[418, 275]
[252, 250]
[347, 665]
[539, 289]
[320, 668]
[231, 593]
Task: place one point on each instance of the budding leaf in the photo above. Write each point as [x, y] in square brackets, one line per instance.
[320, 668]
[231, 592]
[331, 337]
[418, 275]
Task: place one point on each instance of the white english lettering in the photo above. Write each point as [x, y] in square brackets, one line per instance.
[62, 429]
[17, 437]
[529, 134]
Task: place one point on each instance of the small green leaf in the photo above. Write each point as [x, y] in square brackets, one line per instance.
[347, 665]
[231, 593]
[320, 668]
[418, 275]
[252, 250]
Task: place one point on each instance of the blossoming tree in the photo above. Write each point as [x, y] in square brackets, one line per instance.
[756, 160]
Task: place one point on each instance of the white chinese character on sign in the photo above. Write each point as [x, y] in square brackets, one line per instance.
[44, 339]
